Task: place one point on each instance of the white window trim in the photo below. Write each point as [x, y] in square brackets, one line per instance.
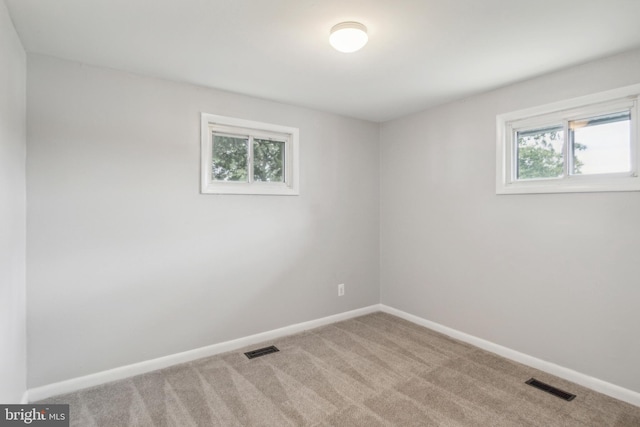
[290, 135]
[564, 111]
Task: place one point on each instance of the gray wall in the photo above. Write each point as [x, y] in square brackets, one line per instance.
[554, 276]
[12, 212]
[128, 262]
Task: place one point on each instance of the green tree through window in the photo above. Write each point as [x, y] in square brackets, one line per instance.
[540, 154]
[268, 160]
[229, 158]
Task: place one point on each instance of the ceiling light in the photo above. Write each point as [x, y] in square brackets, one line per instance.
[348, 36]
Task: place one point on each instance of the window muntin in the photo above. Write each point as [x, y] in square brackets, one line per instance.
[585, 144]
[245, 157]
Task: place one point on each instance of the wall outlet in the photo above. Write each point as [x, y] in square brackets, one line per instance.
[341, 289]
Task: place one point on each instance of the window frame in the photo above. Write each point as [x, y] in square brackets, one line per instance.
[563, 112]
[231, 126]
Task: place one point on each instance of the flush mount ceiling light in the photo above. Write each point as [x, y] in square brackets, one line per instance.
[348, 37]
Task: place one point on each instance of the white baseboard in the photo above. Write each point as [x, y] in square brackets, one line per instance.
[74, 384]
[596, 384]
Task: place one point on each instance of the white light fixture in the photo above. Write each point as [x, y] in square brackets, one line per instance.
[348, 37]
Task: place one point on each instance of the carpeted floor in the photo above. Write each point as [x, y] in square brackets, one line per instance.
[375, 370]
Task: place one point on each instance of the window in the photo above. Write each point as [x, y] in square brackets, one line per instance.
[580, 145]
[245, 157]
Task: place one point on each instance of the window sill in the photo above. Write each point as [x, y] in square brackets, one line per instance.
[260, 189]
[570, 185]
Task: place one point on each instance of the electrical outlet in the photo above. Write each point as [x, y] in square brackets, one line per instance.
[341, 289]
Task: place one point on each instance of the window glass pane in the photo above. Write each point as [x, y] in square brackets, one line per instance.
[601, 144]
[230, 157]
[268, 160]
[540, 153]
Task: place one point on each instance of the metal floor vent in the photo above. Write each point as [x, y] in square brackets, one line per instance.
[261, 352]
[550, 389]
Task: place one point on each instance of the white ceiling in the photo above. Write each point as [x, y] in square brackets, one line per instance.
[420, 53]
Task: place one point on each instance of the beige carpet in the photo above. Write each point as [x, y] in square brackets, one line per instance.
[375, 370]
